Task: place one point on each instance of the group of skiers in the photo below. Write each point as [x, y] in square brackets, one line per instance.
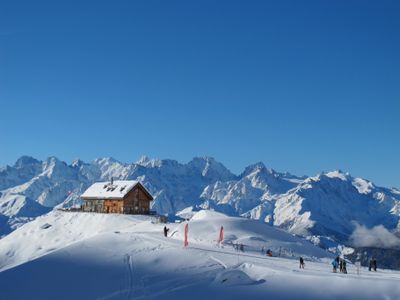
[340, 263]
[372, 264]
[238, 247]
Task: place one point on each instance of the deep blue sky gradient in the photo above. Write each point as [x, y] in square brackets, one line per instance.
[304, 86]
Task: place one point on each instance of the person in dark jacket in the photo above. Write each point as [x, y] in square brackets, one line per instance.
[344, 269]
[334, 265]
[374, 264]
[301, 263]
[166, 231]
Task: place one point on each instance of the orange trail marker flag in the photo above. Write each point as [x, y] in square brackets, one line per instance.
[186, 243]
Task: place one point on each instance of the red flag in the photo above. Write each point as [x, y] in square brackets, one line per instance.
[186, 243]
[221, 235]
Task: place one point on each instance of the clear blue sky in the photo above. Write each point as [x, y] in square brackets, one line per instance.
[304, 86]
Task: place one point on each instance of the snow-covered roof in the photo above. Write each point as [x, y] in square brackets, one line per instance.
[107, 190]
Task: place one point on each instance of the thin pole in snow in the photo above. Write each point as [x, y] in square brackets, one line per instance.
[186, 243]
[221, 236]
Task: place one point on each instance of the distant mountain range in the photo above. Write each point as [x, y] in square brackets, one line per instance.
[326, 208]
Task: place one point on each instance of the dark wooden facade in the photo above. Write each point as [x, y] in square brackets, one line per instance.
[136, 201]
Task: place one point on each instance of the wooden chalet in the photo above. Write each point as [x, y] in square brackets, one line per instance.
[119, 196]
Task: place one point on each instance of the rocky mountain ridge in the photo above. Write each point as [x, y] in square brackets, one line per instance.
[323, 208]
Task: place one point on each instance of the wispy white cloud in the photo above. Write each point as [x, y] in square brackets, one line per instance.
[377, 236]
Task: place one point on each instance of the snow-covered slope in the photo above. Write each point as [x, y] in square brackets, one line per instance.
[57, 230]
[99, 256]
[321, 207]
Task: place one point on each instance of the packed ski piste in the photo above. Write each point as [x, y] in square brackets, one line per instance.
[75, 255]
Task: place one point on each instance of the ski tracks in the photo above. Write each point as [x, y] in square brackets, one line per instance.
[218, 261]
[130, 277]
[129, 265]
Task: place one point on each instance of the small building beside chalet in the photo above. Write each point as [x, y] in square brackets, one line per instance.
[119, 196]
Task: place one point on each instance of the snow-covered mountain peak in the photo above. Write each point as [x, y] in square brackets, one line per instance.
[146, 161]
[331, 181]
[51, 161]
[257, 167]
[328, 177]
[339, 198]
[106, 161]
[169, 163]
[111, 168]
[363, 186]
[209, 167]
[338, 174]
[77, 163]
[23, 170]
[25, 161]
[53, 167]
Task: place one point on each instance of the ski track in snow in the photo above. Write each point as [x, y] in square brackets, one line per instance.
[172, 234]
[218, 261]
[129, 264]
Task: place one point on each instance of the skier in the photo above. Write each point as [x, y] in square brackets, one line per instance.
[371, 263]
[301, 263]
[374, 264]
[166, 231]
[241, 247]
[334, 265]
[269, 252]
[262, 250]
[344, 270]
[341, 265]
